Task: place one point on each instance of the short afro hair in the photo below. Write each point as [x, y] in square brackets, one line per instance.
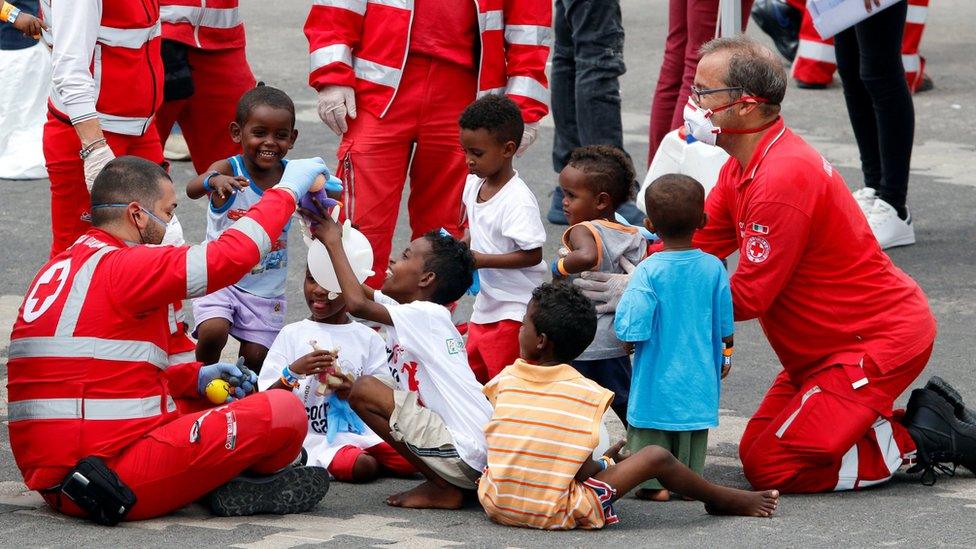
[123, 180]
[496, 114]
[674, 204]
[263, 95]
[608, 169]
[566, 316]
[452, 263]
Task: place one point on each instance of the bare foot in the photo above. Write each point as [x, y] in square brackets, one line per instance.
[743, 503]
[653, 495]
[428, 495]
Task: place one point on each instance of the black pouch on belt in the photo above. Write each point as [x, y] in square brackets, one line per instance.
[177, 82]
[98, 491]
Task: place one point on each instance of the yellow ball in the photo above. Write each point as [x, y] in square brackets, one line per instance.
[217, 391]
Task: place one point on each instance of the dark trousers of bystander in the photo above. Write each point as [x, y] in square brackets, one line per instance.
[879, 103]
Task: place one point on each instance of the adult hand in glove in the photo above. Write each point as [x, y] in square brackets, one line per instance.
[528, 137]
[335, 103]
[242, 383]
[605, 289]
[300, 174]
[95, 162]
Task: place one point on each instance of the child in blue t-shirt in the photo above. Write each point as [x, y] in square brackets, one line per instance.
[677, 311]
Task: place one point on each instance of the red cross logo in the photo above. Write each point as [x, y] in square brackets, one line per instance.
[757, 249]
[46, 290]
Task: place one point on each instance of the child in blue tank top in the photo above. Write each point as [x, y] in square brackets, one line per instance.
[253, 309]
[677, 311]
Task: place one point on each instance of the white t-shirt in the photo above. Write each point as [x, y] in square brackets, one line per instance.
[361, 352]
[427, 356]
[508, 222]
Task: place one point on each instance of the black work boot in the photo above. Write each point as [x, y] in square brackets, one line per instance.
[941, 439]
[953, 397]
[291, 490]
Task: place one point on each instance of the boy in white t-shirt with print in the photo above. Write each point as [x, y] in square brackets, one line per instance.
[434, 415]
[294, 364]
[505, 233]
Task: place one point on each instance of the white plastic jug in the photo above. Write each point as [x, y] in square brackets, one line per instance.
[357, 248]
[697, 160]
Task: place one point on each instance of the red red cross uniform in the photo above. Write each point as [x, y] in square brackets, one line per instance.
[413, 68]
[816, 63]
[851, 330]
[91, 372]
[213, 31]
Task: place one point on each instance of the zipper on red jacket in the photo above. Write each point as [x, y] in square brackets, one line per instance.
[152, 71]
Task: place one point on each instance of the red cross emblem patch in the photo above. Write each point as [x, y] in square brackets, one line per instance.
[757, 249]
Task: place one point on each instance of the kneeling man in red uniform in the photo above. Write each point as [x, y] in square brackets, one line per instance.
[90, 375]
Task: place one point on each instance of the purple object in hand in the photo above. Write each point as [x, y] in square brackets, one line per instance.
[322, 197]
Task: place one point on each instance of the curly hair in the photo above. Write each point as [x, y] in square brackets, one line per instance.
[498, 115]
[608, 169]
[452, 263]
[566, 316]
[674, 204]
[263, 95]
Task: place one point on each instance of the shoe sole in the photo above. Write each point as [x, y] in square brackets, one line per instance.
[940, 387]
[294, 490]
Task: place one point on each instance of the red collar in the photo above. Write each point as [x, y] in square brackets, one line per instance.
[770, 138]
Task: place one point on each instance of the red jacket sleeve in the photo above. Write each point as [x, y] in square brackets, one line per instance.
[776, 236]
[333, 29]
[718, 237]
[148, 277]
[182, 379]
[528, 37]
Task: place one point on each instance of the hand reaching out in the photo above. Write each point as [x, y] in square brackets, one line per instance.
[226, 185]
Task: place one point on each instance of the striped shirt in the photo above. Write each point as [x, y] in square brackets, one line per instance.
[545, 425]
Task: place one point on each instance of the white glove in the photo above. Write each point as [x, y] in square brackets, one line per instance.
[605, 289]
[335, 103]
[95, 162]
[528, 137]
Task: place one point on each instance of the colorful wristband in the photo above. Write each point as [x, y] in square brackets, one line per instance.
[289, 378]
[9, 12]
[562, 268]
[206, 181]
[605, 462]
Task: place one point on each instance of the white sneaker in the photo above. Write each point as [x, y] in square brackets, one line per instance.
[176, 149]
[888, 228]
[865, 199]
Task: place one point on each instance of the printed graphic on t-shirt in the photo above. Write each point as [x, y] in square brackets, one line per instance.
[404, 370]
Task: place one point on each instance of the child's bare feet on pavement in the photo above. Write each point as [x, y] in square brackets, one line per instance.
[653, 495]
[428, 495]
[743, 503]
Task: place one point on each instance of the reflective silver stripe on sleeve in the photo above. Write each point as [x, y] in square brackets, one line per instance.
[376, 73]
[490, 20]
[128, 38]
[253, 230]
[402, 4]
[79, 292]
[89, 408]
[196, 270]
[182, 358]
[126, 125]
[355, 6]
[491, 91]
[67, 347]
[527, 86]
[528, 35]
[336, 53]
[215, 18]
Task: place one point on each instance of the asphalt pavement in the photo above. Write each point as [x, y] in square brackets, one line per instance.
[902, 513]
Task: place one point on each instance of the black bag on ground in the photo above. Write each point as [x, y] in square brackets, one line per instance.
[98, 491]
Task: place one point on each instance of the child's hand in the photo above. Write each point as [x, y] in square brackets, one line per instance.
[29, 25]
[225, 185]
[617, 451]
[725, 370]
[342, 389]
[324, 228]
[314, 363]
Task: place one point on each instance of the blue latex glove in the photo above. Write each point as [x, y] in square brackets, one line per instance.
[332, 183]
[648, 235]
[301, 173]
[342, 419]
[241, 384]
[248, 381]
[475, 283]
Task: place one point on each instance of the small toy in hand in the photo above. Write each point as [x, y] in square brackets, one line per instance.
[333, 379]
[227, 385]
[319, 190]
[217, 391]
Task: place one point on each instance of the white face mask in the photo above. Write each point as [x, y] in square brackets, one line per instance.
[174, 233]
[698, 121]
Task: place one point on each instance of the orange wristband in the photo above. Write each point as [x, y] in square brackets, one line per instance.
[561, 268]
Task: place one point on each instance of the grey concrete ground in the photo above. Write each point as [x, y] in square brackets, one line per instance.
[943, 199]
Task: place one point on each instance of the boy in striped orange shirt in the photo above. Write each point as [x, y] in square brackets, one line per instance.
[546, 423]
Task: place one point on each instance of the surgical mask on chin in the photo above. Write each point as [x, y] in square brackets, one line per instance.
[174, 233]
[698, 121]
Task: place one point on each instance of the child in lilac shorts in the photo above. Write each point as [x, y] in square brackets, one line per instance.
[253, 310]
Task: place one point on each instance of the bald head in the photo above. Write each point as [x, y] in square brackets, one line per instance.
[750, 66]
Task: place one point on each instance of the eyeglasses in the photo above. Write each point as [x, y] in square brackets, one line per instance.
[697, 93]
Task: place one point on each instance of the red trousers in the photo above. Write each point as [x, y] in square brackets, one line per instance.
[816, 62]
[167, 470]
[220, 78]
[419, 133]
[824, 434]
[492, 347]
[691, 23]
[344, 461]
[69, 196]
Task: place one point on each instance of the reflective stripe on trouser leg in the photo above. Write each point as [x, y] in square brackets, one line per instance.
[873, 460]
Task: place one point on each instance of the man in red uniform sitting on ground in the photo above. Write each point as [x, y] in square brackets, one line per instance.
[402, 72]
[851, 330]
[89, 369]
